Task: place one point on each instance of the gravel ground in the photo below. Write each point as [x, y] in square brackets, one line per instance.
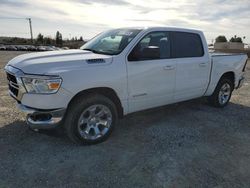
[189, 144]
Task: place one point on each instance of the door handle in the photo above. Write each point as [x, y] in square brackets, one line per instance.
[168, 67]
[203, 64]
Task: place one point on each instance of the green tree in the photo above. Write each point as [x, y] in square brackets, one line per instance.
[59, 40]
[236, 39]
[40, 38]
[48, 41]
[80, 39]
[221, 38]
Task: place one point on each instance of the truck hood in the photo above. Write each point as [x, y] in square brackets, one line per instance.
[54, 62]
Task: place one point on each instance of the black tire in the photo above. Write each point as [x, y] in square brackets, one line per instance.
[77, 107]
[214, 98]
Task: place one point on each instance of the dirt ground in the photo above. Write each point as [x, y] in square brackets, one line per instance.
[189, 144]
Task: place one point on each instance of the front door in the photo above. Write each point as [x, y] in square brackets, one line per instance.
[151, 72]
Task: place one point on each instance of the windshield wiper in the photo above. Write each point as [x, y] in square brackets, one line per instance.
[91, 50]
[97, 52]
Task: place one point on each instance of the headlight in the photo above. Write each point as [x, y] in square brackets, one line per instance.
[41, 84]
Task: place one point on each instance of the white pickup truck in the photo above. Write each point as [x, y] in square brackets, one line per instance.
[118, 72]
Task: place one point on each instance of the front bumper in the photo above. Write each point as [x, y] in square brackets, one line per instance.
[42, 119]
[32, 105]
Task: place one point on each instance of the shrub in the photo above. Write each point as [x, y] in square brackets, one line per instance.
[221, 38]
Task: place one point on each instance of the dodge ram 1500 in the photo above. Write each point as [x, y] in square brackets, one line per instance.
[118, 72]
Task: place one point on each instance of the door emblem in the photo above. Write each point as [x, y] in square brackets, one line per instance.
[140, 95]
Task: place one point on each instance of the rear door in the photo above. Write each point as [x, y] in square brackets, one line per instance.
[192, 65]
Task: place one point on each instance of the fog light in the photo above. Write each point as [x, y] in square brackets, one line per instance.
[41, 117]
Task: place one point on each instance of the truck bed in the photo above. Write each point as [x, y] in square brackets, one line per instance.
[226, 63]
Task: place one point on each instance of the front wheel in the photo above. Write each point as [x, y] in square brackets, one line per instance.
[90, 119]
[222, 93]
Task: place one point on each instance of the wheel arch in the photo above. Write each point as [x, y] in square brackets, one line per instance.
[215, 97]
[105, 91]
[215, 79]
[230, 75]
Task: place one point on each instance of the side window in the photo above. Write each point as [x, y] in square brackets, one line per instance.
[155, 45]
[186, 45]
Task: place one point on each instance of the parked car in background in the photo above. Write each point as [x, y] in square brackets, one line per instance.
[49, 48]
[56, 48]
[65, 48]
[2, 47]
[21, 47]
[119, 72]
[41, 48]
[31, 48]
[11, 48]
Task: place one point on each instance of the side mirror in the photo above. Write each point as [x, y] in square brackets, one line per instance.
[148, 53]
[151, 52]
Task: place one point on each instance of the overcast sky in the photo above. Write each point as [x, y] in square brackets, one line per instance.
[88, 17]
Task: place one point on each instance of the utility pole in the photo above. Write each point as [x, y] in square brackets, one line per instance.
[29, 19]
[31, 34]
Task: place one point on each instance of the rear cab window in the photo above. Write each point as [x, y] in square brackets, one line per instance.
[184, 44]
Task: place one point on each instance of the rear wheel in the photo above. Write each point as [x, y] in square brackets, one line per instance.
[222, 93]
[90, 119]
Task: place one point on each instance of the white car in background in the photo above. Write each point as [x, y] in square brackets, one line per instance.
[2, 47]
[119, 72]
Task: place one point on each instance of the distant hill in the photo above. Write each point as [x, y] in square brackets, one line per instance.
[25, 41]
[14, 40]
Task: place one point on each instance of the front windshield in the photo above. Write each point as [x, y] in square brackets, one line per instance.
[111, 42]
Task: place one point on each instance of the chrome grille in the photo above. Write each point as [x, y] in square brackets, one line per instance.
[16, 88]
[13, 85]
